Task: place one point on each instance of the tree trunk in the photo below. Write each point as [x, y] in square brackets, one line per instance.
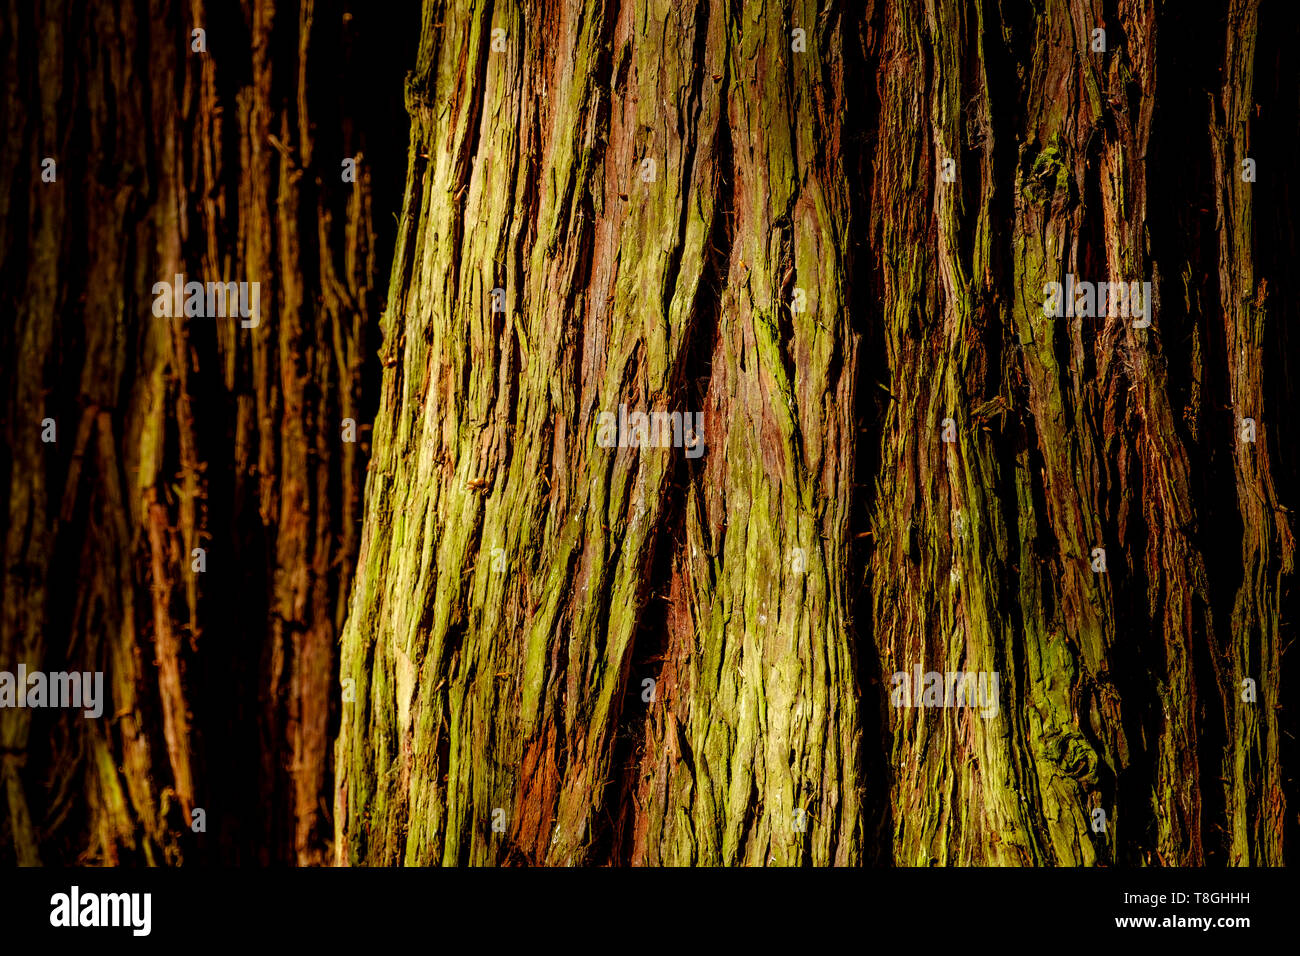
[718, 404]
[585, 166]
[707, 207]
[217, 156]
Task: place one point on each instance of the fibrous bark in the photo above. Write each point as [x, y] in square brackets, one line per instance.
[1123, 690]
[919, 433]
[217, 156]
[590, 168]
[827, 230]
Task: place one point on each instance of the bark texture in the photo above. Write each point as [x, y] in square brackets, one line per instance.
[218, 157]
[828, 230]
[915, 469]
[1122, 691]
[587, 168]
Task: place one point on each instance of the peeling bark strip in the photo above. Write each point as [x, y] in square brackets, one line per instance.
[177, 430]
[574, 651]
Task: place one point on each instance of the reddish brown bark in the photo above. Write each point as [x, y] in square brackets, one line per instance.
[181, 433]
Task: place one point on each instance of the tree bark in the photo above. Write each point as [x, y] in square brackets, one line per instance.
[588, 169]
[518, 582]
[1123, 690]
[217, 157]
[830, 231]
